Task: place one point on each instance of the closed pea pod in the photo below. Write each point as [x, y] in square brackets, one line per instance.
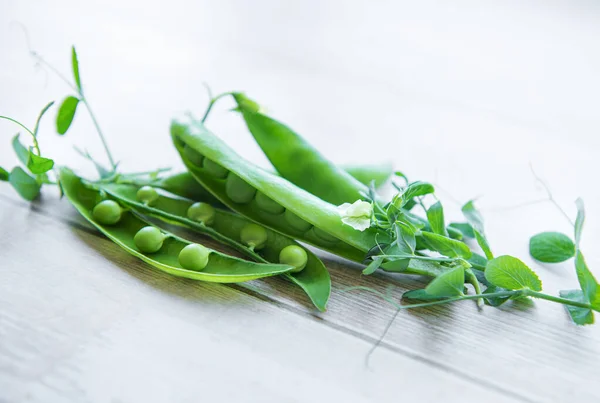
[219, 268]
[227, 227]
[296, 160]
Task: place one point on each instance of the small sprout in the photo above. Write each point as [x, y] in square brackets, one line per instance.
[214, 169]
[254, 236]
[267, 204]
[357, 215]
[194, 257]
[147, 195]
[295, 256]
[107, 212]
[149, 239]
[201, 212]
[239, 190]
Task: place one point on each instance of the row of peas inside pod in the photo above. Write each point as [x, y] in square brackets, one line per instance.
[194, 256]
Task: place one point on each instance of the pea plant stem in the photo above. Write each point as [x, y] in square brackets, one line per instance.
[559, 300]
[35, 142]
[83, 99]
[212, 102]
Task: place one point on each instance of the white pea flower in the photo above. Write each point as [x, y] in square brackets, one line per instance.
[357, 215]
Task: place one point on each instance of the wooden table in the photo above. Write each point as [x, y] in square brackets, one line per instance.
[463, 94]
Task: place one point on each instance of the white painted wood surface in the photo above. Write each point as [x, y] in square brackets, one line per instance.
[464, 95]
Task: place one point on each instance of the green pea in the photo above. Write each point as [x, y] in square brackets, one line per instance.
[194, 257]
[147, 195]
[238, 190]
[254, 236]
[149, 239]
[324, 236]
[214, 169]
[295, 256]
[267, 204]
[202, 212]
[107, 212]
[296, 222]
[193, 156]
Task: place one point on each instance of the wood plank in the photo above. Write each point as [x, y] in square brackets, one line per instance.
[83, 321]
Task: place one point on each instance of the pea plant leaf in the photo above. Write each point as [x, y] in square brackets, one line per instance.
[374, 265]
[581, 316]
[551, 247]
[24, 184]
[66, 113]
[21, 151]
[477, 261]
[404, 245]
[415, 189]
[435, 216]
[3, 174]
[511, 273]
[446, 246]
[38, 164]
[587, 281]
[579, 220]
[451, 283]
[75, 65]
[473, 215]
[495, 301]
[465, 228]
[475, 218]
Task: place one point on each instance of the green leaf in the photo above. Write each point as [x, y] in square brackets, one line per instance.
[511, 273]
[435, 215]
[483, 244]
[477, 261]
[448, 284]
[38, 164]
[39, 118]
[21, 151]
[551, 247]
[24, 184]
[66, 113]
[579, 220]
[404, 244]
[446, 246]
[494, 301]
[587, 281]
[465, 228]
[581, 316]
[415, 189]
[473, 215]
[75, 64]
[3, 174]
[421, 295]
[374, 265]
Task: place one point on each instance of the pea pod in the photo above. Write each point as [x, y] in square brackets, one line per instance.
[227, 227]
[377, 174]
[296, 160]
[220, 268]
[306, 217]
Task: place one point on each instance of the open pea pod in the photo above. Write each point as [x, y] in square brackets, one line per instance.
[220, 268]
[296, 160]
[226, 227]
[266, 198]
